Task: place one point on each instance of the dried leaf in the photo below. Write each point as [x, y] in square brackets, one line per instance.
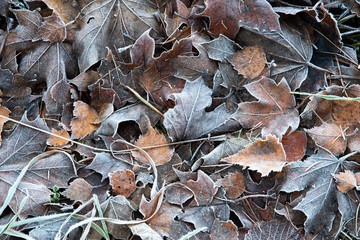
[52, 30]
[249, 62]
[224, 230]
[160, 155]
[3, 112]
[16, 152]
[221, 48]
[345, 181]
[314, 176]
[274, 112]
[233, 183]
[290, 48]
[294, 145]
[274, 230]
[85, 120]
[203, 189]
[329, 136]
[189, 120]
[227, 17]
[263, 156]
[57, 142]
[145, 232]
[123, 182]
[79, 190]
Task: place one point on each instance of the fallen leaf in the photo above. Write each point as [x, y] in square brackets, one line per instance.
[123, 182]
[275, 230]
[145, 232]
[262, 156]
[233, 183]
[65, 9]
[79, 190]
[203, 189]
[345, 181]
[85, 120]
[15, 153]
[160, 155]
[189, 120]
[290, 48]
[314, 176]
[294, 145]
[221, 48]
[119, 208]
[274, 112]
[249, 62]
[55, 141]
[3, 112]
[224, 230]
[227, 17]
[52, 30]
[329, 136]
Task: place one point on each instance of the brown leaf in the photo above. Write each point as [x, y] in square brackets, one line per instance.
[233, 183]
[160, 155]
[79, 190]
[203, 189]
[67, 10]
[329, 136]
[294, 145]
[227, 17]
[4, 112]
[55, 141]
[274, 112]
[123, 182]
[52, 30]
[345, 181]
[263, 156]
[224, 230]
[249, 62]
[85, 120]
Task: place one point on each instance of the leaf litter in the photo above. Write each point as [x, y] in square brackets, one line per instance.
[179, 119]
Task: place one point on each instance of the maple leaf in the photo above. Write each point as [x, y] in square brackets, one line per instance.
[290, 48]
[188, 119]
[263, 156]
[232, 190]
[203, 189]
[314, 176]
[16, 152]
[274, 112]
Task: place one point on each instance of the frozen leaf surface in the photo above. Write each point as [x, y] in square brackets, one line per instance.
[274, 112]
[188, 119]
[263, 156]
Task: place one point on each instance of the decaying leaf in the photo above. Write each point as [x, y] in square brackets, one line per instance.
[203, 188]
[345, 181]
[294, 145]
[315, 177]
[79, 190]
[274, 112]
[249, 62]
[4, 112]
[57, 142]
[160, 155]
[224, 230]
[233, 183]
[274, 230]
[263, 156]
[123, 182]
[329, 136]
[85, 122]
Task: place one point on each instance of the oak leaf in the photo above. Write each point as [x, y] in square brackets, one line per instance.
[274, 112]
[263, 156]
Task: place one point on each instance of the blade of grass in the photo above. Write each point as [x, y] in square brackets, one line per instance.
[329, 97]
